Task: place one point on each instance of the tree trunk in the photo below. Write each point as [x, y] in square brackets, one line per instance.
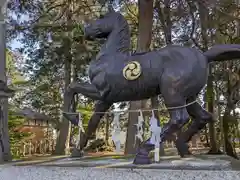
[227, 144]
[5, 153]
[203, 12]
[164, 14]
[74, 103]
[210, 105]
[165, 18]
[107, 130]
[145, 19]
[231, 87]
[62, 145]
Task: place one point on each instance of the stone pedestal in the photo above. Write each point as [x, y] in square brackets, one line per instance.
[75, 119]
[142, 159]
[5, 92]
[200, 162]
[76, 152]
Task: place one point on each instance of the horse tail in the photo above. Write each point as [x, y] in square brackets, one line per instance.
[223, 52]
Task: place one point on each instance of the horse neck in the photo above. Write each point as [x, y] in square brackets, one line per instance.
[118, 42]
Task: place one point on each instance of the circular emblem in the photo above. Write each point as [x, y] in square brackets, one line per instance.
[132, 70]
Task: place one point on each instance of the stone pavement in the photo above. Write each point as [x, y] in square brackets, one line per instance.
[79, 173]
[198, 162]
[118, 167]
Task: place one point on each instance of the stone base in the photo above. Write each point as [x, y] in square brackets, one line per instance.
[201, 162]
[141, 159]
[77, 153]
[195, 163]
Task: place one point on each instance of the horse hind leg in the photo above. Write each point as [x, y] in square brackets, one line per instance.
[178, 118]
[200, 117]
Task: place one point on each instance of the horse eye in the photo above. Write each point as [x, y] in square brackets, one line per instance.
[101, 16]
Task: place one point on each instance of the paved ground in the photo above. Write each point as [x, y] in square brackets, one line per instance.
[74, 173]
[168, 162]
[197, 162]
[121, 168]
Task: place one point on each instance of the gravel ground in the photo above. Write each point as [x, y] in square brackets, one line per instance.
[74, 173]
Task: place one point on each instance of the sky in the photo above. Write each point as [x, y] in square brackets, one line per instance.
[15, 44]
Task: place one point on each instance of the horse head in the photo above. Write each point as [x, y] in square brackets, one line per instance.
[101, 27]
[112, 26]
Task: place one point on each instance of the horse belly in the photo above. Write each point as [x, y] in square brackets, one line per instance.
[121, 89]
[124, 90]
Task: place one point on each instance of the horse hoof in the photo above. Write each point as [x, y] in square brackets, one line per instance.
[187, 156]
[73, 118]
[142, 159]
[183, 149]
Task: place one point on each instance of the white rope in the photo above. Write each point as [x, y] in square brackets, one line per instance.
[142, 110]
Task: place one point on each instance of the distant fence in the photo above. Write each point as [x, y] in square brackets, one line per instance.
[30, 148]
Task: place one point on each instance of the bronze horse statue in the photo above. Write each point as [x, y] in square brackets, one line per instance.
[177, 73]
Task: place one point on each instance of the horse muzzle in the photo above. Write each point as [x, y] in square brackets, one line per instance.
[87, 32]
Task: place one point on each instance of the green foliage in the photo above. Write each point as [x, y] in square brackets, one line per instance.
[15, 136]
[86, 112]
[51, 35]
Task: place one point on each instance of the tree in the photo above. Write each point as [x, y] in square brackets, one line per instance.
[56, 54]
[54, 29]
[204, 23]
[145, 21]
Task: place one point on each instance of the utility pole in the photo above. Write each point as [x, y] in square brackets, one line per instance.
[5, 92]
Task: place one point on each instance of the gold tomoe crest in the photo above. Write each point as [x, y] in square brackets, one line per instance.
[132, 70]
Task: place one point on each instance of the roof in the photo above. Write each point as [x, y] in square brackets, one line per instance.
[32, 115]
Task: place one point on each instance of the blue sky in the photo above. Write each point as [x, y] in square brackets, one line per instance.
[15, 44]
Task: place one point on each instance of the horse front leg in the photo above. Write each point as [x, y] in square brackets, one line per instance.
[99, 111]
[84, 88]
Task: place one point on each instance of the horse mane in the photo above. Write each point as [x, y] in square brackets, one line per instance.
[122, 30]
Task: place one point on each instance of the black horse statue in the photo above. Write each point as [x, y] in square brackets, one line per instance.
[177, 73]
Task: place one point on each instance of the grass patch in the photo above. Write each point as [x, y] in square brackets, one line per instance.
[101, 157]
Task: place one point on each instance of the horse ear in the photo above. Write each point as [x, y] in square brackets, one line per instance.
[102, 2]
[110, 7]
